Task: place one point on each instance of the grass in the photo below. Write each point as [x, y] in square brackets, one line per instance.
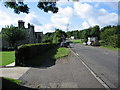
[77, 41]
[51, 54]
[7, 57]
[62, 52]
[110, 48]
[13, 80]
[107, 47]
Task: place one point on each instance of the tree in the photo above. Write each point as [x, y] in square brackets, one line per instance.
[68, 34]
[95, 31]
[19, 6]
[110, 36]
[59, 36]
[47, 38]
[76, 34]
[12, 34]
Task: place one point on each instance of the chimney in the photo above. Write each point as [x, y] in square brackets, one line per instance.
[28, 25]
[21, 24]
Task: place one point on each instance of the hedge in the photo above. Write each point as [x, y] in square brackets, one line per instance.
[28, 51]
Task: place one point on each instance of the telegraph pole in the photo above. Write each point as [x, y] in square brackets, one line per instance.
[68, 27]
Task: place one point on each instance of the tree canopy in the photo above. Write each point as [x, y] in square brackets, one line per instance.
[13, 34]
[19, 6]
[55, 37]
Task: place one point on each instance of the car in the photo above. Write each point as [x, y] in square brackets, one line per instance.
[64, 44]
[85, 43]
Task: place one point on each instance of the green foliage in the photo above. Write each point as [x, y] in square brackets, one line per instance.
[76, 34]
[55, 37]
[13, 34]
[111, 48]
[19, 6]
[61, 52]
[28, 51]
[59, 36]
[110, 36]
[47, 38]
[77, 41]
[13, 80]
[7, 57]
[68, 34]
[104, 28]
[48, 6]
[84, 34]
[114, 41]
[95, 31]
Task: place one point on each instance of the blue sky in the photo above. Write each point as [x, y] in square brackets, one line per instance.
[79, 15]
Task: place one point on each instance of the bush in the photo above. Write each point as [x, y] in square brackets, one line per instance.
[28, 51]
[111, 41]
[114, 41]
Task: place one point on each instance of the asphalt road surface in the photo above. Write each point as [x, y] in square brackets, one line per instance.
[102, 61]
[67, 72]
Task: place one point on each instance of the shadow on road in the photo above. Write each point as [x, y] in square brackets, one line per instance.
[43, 61]
[9, 85]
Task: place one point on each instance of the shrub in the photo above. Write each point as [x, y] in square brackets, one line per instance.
[111, 41]
[28, 51]
[114, 41]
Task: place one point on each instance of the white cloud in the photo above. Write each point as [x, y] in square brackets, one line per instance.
[89, 15]
[93, 16]
[62, 18]
[64, 2]
[31, 18]
[45, 28]
[85, 25]
[7, 19]
[58, 20]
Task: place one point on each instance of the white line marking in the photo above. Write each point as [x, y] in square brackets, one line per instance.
[77, 54]
[96, 76]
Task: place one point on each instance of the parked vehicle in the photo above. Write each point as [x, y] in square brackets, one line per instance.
[85, 43]
[65, 44]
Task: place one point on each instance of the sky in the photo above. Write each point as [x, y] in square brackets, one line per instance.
[72, 15]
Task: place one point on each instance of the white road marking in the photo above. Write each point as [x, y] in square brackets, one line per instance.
[95, 75]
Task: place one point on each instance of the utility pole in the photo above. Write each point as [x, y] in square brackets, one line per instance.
[68, 27]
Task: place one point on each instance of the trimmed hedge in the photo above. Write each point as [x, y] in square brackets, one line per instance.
[28, 51]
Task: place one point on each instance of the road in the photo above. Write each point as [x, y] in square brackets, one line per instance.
[67, 72]
[102, 61]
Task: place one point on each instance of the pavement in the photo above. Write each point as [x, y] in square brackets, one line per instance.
[10, 65]
[11, 71]
[68, 72]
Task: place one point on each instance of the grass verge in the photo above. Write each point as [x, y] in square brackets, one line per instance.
[77, 41]
[110, 48]
[7, 57]
[61, 52]
[107, 47]
[13, 80]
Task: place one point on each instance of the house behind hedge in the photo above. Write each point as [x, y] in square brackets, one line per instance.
[31, 35]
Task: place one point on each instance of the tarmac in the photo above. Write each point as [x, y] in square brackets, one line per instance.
[67, 72]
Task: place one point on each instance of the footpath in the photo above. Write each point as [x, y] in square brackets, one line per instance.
[68, 72]
[11, 71]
